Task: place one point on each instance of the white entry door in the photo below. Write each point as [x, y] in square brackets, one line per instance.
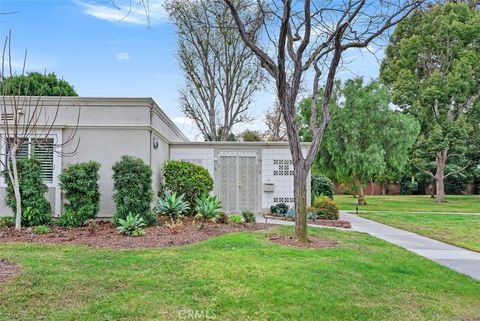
[238, 181]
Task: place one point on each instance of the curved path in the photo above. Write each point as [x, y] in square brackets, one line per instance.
[458, 259]
[453, 257]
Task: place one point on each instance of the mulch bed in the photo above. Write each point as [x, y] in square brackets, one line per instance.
[314, 242]
[334, 223]
[7, 270]
[104, 235]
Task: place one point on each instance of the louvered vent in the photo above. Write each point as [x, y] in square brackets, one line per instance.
[7, 117]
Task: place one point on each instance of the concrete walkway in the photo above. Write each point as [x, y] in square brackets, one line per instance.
[458, 259]
[453, 257]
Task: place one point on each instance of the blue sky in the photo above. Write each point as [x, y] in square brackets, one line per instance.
[91, 46]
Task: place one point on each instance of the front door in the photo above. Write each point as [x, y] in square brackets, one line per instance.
[238, 181]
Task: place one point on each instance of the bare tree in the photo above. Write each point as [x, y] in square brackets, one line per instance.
[276, 127]
[305, 40]
[25, 121]
[222, 74]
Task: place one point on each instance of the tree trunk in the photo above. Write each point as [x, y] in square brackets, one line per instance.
[434, 188]
[13, 176]
[383, 188]
[300, 175]
[440, 175]
[360, 193]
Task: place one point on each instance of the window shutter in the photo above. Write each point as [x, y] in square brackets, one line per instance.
[42, 149]
[22, 152]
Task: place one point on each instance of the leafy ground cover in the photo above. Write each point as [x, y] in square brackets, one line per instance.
[239, 276]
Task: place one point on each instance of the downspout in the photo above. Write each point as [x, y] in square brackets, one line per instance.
[150, 129]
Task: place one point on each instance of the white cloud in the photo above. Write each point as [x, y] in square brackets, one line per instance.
[182, 120]
[126, 11]
[122, 56]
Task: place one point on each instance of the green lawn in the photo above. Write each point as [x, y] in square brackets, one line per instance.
[422, 215]
[412, 203]
[460, 230]
[236, 277]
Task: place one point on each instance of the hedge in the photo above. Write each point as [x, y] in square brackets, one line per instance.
[187, 178]
[79, 183]
[132, 182]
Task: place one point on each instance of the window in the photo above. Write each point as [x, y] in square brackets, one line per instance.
[42, 149]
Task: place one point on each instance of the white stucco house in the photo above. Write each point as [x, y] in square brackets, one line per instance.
[247, 175]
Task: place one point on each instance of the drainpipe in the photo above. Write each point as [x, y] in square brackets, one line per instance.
[150, 129]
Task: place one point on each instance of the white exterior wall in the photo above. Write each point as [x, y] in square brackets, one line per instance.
[277, 168]
[107, 129]
[282, 180]
[200, 156]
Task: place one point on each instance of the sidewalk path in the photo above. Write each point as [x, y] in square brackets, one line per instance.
[458, 259]
[413, 212]
[453, 257]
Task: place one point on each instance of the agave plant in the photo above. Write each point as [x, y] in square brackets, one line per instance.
[131, 225]
[172, 205]
[208, 208]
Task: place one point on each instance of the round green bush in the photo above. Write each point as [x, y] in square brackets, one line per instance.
[79, 183]
[327, 209]
[191, 180]
[321, 185]
[132, 182]
[36, 210]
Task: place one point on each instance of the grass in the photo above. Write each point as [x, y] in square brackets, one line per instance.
[422, 215]
[235, 277]
[459, 230]
[413, 203]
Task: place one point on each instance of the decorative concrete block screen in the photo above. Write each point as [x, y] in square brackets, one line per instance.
[277, 168]
[200, 156]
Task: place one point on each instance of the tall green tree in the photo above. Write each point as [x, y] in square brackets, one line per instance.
[432, 66]
[36, 84]
[366, 139]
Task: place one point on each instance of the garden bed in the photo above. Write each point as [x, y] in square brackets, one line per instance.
[104, 234]
[332, 223]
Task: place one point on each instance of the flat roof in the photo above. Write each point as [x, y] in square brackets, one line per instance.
[234, 143]
[105, 101]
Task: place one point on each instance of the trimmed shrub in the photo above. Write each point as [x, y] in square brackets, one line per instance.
[321, 185]
[235, 218]
[327, 209]
[132, 182]
[36, 209]
[41, 229]
[191, 180]
[249, 217]
[79, 183]
[280, 209]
